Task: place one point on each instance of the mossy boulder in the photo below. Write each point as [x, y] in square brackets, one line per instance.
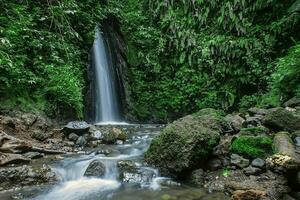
[280, 119]
[254, 131]
[252, 146]
[184, 144]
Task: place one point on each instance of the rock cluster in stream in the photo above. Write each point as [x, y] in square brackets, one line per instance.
[249, 156]
[25, 138]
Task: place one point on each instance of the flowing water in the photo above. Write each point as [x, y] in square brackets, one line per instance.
[106, 98]
[143, 183]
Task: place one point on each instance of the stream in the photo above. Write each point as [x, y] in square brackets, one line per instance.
[138, 183]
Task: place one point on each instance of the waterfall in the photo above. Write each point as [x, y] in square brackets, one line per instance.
[106, 97]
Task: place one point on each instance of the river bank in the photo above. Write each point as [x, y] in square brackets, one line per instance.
[206, 155]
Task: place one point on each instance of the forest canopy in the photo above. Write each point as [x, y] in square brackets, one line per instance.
[182, 55]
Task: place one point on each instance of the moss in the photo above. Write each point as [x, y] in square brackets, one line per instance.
[252, 146]
[255, 131]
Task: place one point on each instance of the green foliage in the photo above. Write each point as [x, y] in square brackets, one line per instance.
[44, 47]
[182, 55]
[186, 55]
[286, 78]
[252, 146]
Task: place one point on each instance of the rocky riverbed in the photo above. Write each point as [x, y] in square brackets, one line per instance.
[207, 155]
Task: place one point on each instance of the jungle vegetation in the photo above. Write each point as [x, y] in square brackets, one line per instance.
[182, 55]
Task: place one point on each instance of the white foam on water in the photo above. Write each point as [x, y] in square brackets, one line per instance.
[78, 189]
[112, 123]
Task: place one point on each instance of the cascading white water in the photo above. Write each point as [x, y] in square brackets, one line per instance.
[75, 186]
[106, 101]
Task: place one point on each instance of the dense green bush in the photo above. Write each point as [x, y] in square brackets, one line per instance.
[286, 79]
[252, 146]
[44, 47]
[195, 54]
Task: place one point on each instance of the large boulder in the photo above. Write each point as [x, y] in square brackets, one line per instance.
[78, 127]
[96, 169]
[184, 144]
[280, 119]
[235, 122]
[114, 134]
[257, 111]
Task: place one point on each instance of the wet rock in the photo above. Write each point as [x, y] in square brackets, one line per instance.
[96, 135]
[223, 148]
[78, 127]
[94, 144]
[142, 176]
[121, 134]
[42, 123]
[285, 158]
[258, 163]
[182, 143]
[197, 177]
[126, 165]
[252, 171]
[274, 186]
[40, 135]
[235, 121]
[10, 144]
[110, 137]
[254, 131]
[81, 141]
[103, 151]
[257, 111]
[293, 102]
[252, 122]
[29, 119]
[280, 119]
[239, 161]
[12, 124]
[68, 143]
[297, 141]
[167, 182]
[282, 163]
[25, 176]
[248, 195]
[67, 149]
[96, 169]
[113, 135]
[214, 164]
[73, 137]
[33, 155]
[9, 158]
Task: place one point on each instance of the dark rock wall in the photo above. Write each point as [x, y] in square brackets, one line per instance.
[117, 51]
